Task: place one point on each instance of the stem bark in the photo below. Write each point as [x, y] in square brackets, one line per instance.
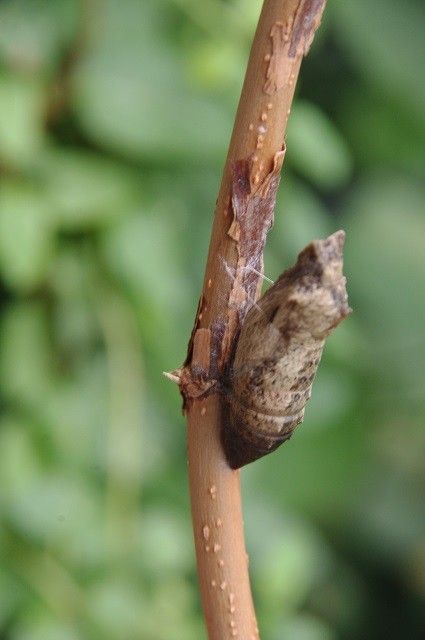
[232, 282]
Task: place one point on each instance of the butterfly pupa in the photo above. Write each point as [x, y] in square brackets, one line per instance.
[279, 350]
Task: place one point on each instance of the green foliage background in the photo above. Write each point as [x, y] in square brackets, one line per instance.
[114, 121]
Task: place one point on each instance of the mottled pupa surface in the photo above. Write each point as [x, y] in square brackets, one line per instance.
[279, 350]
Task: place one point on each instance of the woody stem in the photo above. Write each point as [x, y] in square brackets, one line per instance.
[283, 36]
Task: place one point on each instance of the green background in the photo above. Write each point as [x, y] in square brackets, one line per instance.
[114, 123]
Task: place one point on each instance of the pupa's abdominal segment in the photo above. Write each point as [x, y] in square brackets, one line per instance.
[279, 350]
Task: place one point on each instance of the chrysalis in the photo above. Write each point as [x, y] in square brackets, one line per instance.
[279, 350]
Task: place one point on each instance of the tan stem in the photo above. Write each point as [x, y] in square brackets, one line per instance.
[284, 34]
[218, 529]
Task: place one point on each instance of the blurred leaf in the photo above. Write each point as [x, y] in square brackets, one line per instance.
[44, 629]
[288, 566]
[400, 444]
[390, 517]
[166, 543]
[340, 597]
[304, 628]
[25, 357]
[237, 18]
[26, 236]
[317, 471]
[151, 110]
[384, 40]
[75, 325]
[332, 399]
[385, 258]
[170, 610]
[299, 218]
[85, 190]
[12, 595]
[380, 132]
[160, 442]
[19, 464]
[316, 148]
[21, 119]
[33, 33]
[217, 65]
[348, 346]
[76, 412]
[118, 608]
[56, 509]
[142, 251]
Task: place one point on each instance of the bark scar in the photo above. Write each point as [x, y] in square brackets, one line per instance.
[291, 40]
[307, 19]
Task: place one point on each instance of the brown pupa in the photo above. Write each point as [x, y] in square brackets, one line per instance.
[279, 350]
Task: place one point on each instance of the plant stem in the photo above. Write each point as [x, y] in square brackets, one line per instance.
[232, 282]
